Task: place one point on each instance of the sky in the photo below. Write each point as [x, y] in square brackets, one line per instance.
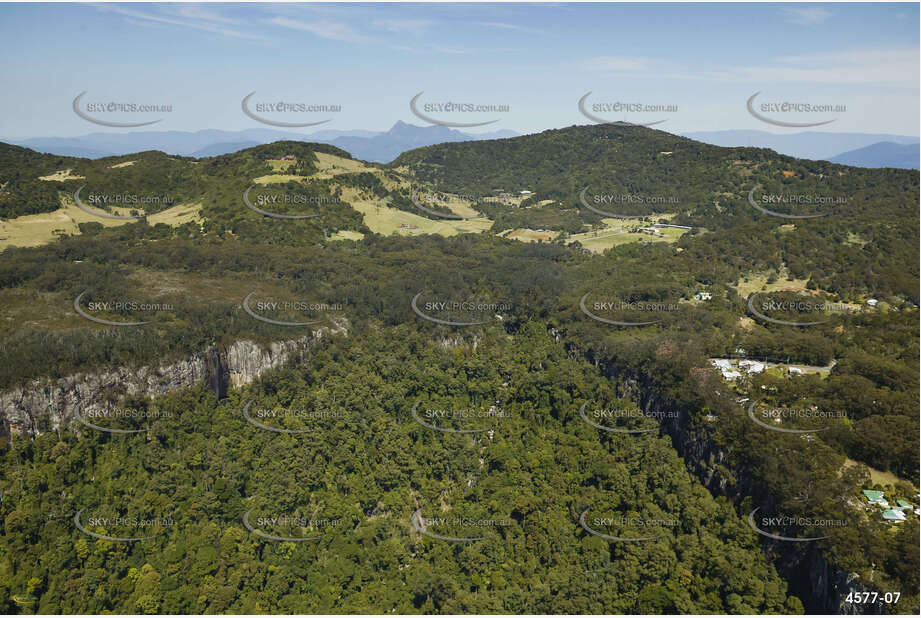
[536, 61]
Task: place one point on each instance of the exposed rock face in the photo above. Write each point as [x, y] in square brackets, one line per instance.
[45, 405]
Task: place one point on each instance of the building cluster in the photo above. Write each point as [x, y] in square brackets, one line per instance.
[733, 370]
[894, 514]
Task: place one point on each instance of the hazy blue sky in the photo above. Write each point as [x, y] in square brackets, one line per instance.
[538, 59]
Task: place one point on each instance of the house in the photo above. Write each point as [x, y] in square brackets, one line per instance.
[872, 496]
[703, 296]
[524, 193]
[731, 375]
[894, 515]
[796, 370]
[872, 302]
[721, 363]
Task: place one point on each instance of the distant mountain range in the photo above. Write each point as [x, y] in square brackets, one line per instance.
[821, 146]
[860, 149]
[377, 146]
[882, 154]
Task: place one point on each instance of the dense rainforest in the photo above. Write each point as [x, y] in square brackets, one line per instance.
[365, 469]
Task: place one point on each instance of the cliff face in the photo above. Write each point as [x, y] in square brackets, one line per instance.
[820, 585]
[45, 405]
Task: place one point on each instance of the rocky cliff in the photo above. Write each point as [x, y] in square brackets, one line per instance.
[45, 405]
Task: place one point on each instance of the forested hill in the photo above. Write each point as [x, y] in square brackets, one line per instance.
[32, 182]
[708, 185]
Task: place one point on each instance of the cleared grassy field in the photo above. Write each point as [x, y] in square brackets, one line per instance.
[40, 229]
[619, 232]
[271, 179]
[877, 476]
[757, 282]
[347, 235]
[280, 166]
[330, 165]
[382, 219]
[528, 235]
[61, 175]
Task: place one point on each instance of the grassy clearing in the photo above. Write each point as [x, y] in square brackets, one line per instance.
[330, 165]
[460, 207]
[279, 166]
[381, 219]
[119, 165]
[40, 229]
[61, 175]
[623, 231]
[347, 235]
[272, 179]
[528, 235]
[43, 228]
[177, 215]
[879, 476]
[758, 282]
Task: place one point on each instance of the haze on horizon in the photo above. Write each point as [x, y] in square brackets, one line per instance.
[704, 61]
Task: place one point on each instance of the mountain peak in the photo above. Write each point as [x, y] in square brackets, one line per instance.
[404, 128]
